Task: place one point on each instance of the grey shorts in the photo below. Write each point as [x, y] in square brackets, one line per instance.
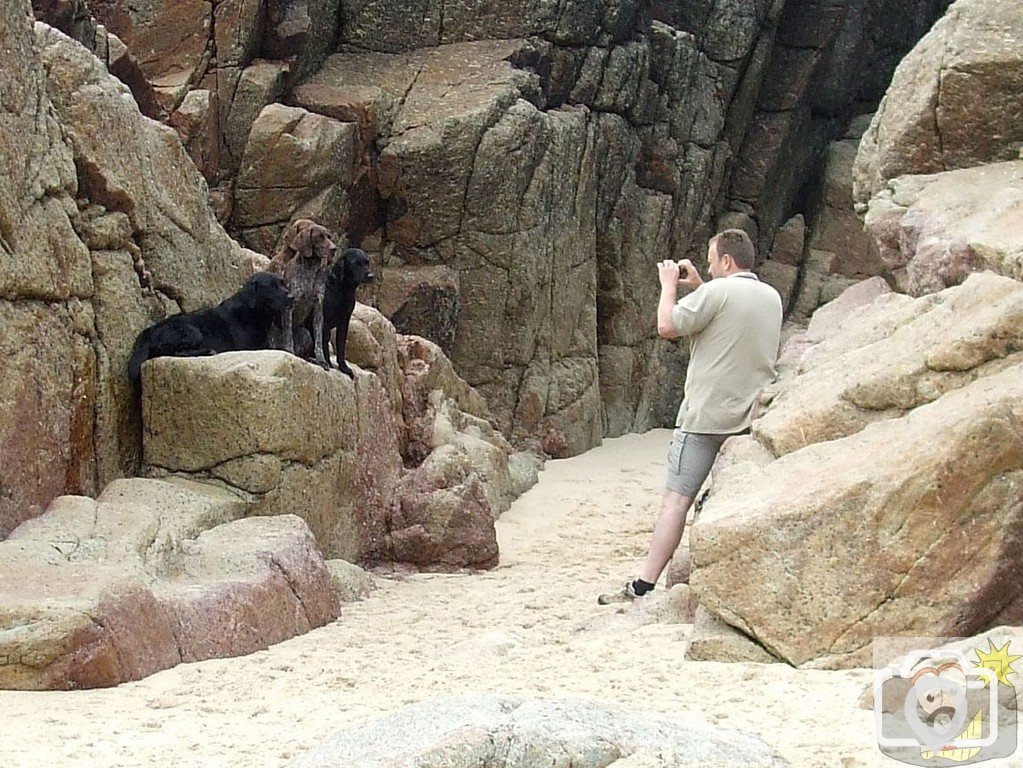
[690, 457]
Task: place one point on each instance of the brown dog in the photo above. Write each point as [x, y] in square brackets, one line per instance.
[302, 260]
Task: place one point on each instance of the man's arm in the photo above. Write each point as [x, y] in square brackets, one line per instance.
[670, 275]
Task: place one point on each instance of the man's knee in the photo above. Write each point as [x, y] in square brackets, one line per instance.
[676, 503]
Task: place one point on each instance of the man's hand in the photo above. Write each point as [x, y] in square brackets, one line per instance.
[668, 273]
[688, 276]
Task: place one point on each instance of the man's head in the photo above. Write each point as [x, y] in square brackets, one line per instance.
[729, 252]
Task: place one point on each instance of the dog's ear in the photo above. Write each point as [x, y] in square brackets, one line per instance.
[351, 259]
[252, 291]
[302, 243]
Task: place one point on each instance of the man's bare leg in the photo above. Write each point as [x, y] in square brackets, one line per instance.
[671, 521]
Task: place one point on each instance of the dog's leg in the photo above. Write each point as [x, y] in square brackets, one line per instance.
[318, 330]
[326, 344]
[289, 337]
[340, 341]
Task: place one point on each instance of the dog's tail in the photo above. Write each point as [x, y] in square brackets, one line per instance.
[139, 355]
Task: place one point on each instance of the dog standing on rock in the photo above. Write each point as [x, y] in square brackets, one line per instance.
[344, 277]
[302, 260]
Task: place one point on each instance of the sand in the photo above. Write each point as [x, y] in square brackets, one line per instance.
[529, 628]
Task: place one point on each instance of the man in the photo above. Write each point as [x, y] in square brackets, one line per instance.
[734, 326]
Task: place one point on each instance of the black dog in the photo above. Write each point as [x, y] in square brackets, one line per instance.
[345, 275]
[242, 321]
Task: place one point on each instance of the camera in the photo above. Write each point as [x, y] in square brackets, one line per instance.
[936, 704]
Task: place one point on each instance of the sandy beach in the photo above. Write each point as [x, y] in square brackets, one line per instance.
[529, 628]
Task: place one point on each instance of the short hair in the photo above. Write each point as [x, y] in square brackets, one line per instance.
[736, 243]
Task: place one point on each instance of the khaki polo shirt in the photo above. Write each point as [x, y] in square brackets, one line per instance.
[734, 328]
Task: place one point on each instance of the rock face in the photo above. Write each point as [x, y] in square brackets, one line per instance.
[714, 640]
[542, 156]
[837, 229]
[954, 101]
[296, 165]
[810, 71]
[520, 238]
[98, 207]
[934, 230]
[151, 574]
[493, 732]
[889, 501]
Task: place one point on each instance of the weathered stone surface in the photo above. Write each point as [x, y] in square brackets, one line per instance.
[442, 516]
[264, 581]
[679, 567]
[538, 372]
[495, 732]
[349, 581]
[488, 168]
[954, 101]
[170, 40]
[389, 26]
[426, 369]
[836, 226]
[789, 241]
[829, 319]
[812, 64]
[248, 420]
[678, 605]
[302, 31]
[934, 230]
[465, 476]
[909, 525]
[783, 278]
[196, 123]
[39, 255]
[450, 203]
[259, 84]
[292, 157]
[421, 300]
[713, 640]
[891, 360]
[74, 19]
[155, 184]
[46, 396]
[374, 345]
[97, 592]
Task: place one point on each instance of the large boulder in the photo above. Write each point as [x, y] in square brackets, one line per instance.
[894, 356]
[150, 574]
[954, 101]
[934, 230]
[496, 732]
[296, 164]
[294, 439]
[300, 440]
[888, 503]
